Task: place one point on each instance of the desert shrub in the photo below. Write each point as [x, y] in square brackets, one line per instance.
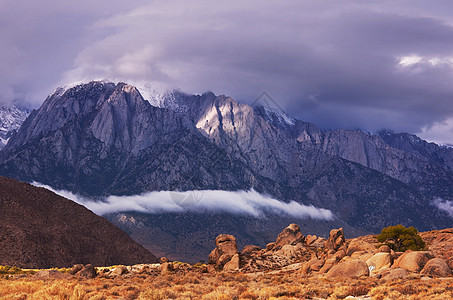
[400, 238]
[9, 270]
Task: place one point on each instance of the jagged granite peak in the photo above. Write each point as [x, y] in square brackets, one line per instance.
[11, 118]
[109, 132]
[255, 136]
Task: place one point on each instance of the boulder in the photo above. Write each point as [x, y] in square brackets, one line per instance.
[249, 249]
[336, 239]
[314, 264]
[118, 271]
[226, 248]
[392, 274]
[319, 242]
[163, 260]
[436, 267]
[317, 265]
[223, 260]
[211, 269]
[291, 235]
[233, 264]
[380, 261]
[359, 245]
[213, 256]
[327, 265]
[363, 255]
[140, 269]
[412, 261]
[289, 251]
[166, 268]
[310, 239]
[352, 268]
[88, 271]
[226, 244]
[270, 246]
[338, 255]
[75, 269]
[384, 249]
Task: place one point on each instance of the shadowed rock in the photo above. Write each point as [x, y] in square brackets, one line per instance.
[436, 267]
[412, 261]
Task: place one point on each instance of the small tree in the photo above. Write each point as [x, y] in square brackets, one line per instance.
[400, 238]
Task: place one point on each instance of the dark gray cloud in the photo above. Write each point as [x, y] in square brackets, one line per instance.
[348, 64]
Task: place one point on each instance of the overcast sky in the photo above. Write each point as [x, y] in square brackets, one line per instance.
[338, 64]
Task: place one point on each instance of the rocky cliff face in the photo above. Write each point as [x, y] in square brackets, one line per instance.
[103, 138]
[11, 118]
[40, 229]
[256, 135]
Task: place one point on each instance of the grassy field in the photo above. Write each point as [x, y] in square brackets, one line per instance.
[195, 285]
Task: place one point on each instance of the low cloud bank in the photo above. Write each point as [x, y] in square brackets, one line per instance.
[249, 203]
[444, 205]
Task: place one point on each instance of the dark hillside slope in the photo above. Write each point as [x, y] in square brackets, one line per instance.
[40, 229]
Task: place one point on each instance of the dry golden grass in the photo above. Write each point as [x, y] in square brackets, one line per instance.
[222, 286]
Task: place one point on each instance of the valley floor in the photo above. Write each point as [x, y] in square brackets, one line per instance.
[195, 285]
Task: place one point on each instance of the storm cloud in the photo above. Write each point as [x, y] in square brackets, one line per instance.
[349, 64]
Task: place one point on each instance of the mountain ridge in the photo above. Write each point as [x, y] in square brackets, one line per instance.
[101, 139]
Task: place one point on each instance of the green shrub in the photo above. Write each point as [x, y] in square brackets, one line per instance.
[400, 238]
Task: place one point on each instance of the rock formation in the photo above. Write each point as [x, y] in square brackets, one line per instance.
[336, 257]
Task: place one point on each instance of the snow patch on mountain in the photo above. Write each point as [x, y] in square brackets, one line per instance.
[279, 116]
[11, 118]
[158, 97]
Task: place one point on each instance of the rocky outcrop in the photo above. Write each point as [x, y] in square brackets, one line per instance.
[40, 229]
[336, 239]
[87, 271]
[439, 243]
[226, 248]
[333, 258]
[291, 235]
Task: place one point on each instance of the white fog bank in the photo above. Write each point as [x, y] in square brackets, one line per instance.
[250, 203]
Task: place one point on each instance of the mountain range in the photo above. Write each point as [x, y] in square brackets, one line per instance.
[100, 139]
